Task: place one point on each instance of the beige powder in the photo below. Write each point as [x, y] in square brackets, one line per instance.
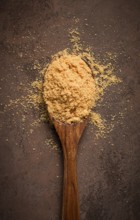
[104, 77]
[69, 89]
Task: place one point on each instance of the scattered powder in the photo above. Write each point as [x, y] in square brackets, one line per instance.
[75, 40]
[103, 75]
[32, 100]
[111, 56]
[97, 121]
[51, 144]
[69, 89]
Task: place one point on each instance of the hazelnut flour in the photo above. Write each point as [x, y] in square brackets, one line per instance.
[74, 82]
[69, 89]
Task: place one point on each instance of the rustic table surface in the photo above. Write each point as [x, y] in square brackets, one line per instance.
[31, 172]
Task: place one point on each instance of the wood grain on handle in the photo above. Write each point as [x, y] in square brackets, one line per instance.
[70, 136]
[70, 208]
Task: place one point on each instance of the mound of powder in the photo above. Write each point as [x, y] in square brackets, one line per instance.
[69, 89]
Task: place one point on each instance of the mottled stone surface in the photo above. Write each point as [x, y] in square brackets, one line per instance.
[108, 169]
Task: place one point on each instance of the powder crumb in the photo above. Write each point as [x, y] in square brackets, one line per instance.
[36, 65]
[97, 120]
[75, 40]
[50, 143]
[31, 131]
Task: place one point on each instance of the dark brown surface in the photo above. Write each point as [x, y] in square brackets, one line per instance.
[108, 169]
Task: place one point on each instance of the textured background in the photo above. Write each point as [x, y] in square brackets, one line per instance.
[108, 169]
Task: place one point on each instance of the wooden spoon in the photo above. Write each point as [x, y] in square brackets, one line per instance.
[69, 135]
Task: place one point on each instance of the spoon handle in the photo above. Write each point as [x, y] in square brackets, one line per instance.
[70, 135]
[70, 210]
